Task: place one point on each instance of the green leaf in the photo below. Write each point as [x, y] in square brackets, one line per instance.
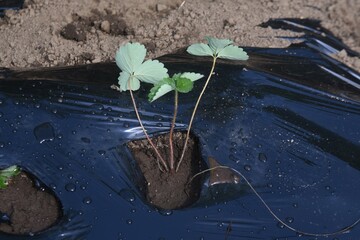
[219, 48]
[151, 71]
[217, 45]
[200, 49]
[233, 53]
[182, 82]
[191, 75]
[159, 90]
[130, 56]
[126, 81]
[184, 85]
[6, 174]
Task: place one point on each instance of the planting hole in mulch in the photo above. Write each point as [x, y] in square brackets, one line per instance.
[26, 208]
[166, 190]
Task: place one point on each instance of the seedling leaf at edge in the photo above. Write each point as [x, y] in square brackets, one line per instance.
[6, 174]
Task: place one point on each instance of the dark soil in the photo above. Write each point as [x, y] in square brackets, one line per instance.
[113, 24]
[166, 190]
[25, 209]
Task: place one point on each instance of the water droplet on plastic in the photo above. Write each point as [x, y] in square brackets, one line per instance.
[247, 167]
[2, 144]
[102, 152]
[85, 140]
[4, 217]
[262, 157]
[129, 221]
[233, 151]
[98, 106]
[70, 187]
[236, 179]
[127, 194]
[87, 200]
[166, 212]
[44, 132]
[233, 158]
[280, 225]
[289, 219]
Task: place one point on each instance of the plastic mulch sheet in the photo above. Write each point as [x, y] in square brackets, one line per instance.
[288, 119]
[10, 4]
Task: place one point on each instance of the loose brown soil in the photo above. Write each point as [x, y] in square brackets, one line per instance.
[29, 209]
[52, 33]
[166, 190]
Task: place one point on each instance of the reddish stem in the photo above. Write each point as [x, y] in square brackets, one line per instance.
[172, 162]
[143, 128]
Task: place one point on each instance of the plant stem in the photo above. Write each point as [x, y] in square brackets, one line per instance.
[143, 128]
[172, 131]
[194, 111]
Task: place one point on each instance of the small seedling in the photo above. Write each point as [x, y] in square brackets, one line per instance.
[180, 82]
[216, 48]
[6, 174]
[130, 59]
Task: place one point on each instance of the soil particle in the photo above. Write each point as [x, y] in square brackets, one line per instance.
[169, 190]
[73, 32]
[161, 7]
[105, 26]
[28, 209]
[115, 25]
